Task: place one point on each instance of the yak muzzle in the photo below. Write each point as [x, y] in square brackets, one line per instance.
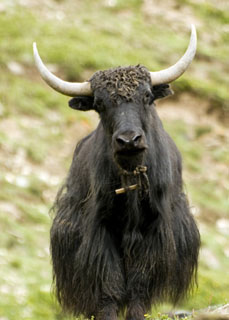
[129, 143]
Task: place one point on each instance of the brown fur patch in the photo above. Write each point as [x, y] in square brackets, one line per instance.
[121, 82]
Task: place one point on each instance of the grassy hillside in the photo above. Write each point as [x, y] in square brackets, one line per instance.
[38, 131]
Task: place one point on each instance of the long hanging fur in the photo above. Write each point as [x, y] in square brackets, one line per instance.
[115, 250]
[160, 253]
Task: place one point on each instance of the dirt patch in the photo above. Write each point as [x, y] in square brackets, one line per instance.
[193, 110]
[170, 11]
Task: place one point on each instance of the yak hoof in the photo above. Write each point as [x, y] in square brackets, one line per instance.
[107, 313]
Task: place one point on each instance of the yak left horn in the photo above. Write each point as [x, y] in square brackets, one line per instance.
[172, 73]
[71, 89]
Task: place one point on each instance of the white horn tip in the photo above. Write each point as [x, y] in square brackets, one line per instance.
[34, 45]
[35, 52]
[193, 31]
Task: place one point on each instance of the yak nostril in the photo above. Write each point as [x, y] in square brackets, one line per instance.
[137, 138]
[122, 140]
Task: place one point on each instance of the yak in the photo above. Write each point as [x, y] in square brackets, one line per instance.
[123, 238]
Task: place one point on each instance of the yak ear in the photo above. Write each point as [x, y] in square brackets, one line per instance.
[161, 91]
[82, 103]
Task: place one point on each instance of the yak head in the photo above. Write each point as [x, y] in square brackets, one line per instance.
[124, 99]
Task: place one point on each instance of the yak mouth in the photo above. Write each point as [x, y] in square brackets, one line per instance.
[130, 152]
[129, 159]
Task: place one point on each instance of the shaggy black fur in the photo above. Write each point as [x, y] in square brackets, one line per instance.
[123, 252]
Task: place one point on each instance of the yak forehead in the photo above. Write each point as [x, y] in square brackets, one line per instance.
[122, 82]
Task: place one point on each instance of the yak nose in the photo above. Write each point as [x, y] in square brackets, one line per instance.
[129, 140]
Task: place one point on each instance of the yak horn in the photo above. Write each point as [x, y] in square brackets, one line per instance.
[170, 74]
[71, 89]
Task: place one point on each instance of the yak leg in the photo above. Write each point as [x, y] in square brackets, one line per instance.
[109, 311]
[135, 310]
[137, 264]
[137, 299]
[105, 274]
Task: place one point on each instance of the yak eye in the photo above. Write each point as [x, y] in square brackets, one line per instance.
[148, 98]
[99, 105]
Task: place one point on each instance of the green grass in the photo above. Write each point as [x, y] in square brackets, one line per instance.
[38, 131]
[210, 195]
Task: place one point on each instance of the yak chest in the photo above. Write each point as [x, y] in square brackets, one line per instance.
[129, 214]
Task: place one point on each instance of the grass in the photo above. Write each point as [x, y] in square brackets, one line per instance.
[38, 131]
